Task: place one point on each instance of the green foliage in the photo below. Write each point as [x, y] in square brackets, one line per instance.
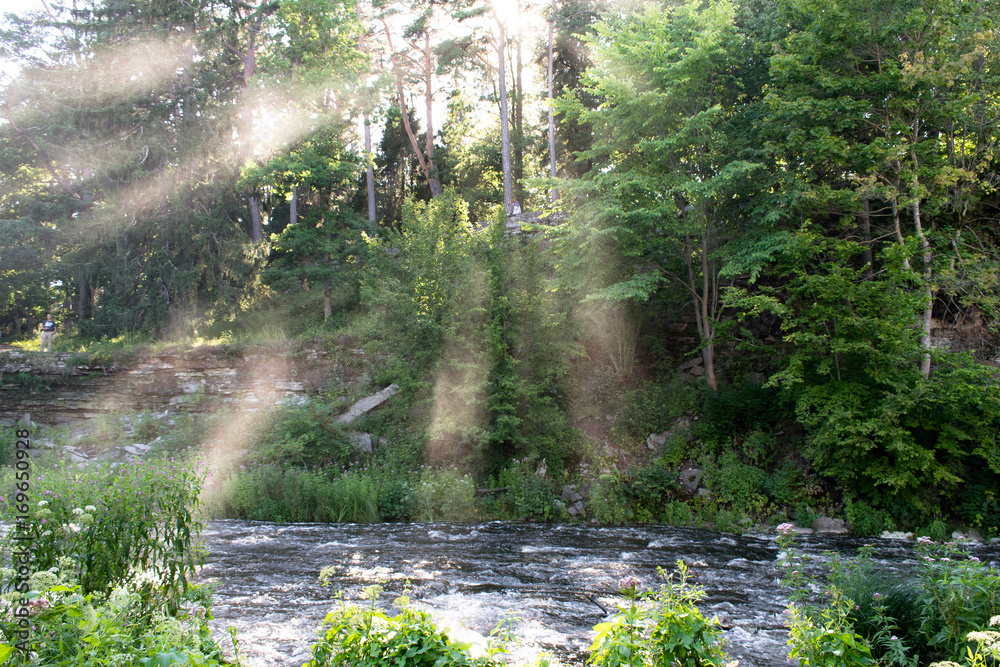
[958, 593]
[270, 492]
[655, 406]
[371, 638]
[529, 495]
[72, 628]
[307, 435]
[444, 494]
[864, 616]
[660, 627]
[608, 502]
[736, 484]
[866, 520]
[112, 522]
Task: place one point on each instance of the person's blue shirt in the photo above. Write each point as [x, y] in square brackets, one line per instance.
[48, 325]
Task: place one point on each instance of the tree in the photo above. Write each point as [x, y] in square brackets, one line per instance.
[663, 182]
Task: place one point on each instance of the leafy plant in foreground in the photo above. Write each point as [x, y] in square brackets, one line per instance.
[662, 627]
[367, 637]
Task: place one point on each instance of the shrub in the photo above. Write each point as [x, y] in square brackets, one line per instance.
[307, 436]
[530, 495]
[866, 520]
[71, 628]
[654, 406]
[662, 627]
[736, 484]
[370, 638]
[444, 494]
[608, 500]
[112, 521]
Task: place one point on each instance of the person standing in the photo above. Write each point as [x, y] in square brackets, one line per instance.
[48, 331]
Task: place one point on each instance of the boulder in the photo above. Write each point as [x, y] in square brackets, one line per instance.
[828, 526]
[361, 441]
[971, 535]
[690, 479]
[367, 404]
[655, 441]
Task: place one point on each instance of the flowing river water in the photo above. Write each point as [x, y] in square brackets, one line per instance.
[558, 580]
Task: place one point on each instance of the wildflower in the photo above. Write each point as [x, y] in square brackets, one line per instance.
[894, 638]
[995, 621]
[924, 540]
[973, 559]
[43, 503]
[785, 528]
[877, 596]
[90, 508]
[77, 511]
[945, 560]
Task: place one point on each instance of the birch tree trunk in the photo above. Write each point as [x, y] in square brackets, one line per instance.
[508, 194]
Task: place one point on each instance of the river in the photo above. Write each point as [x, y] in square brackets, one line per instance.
[558, 580]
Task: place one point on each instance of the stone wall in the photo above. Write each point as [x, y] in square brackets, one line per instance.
[60, 388]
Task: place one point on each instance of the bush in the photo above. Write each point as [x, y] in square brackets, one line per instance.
[307, 436]
[444, 494]
[608, 500]
[271, 492]
[370, 638]
[662, 627]
[72, 628]
[866, 520]
[529, 495]
[736, 484]
[113, 521]
[654, 406]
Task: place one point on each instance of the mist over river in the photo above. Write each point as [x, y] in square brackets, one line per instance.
[559, 580]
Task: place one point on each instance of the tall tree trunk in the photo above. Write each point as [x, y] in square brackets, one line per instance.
[708, 330]
[518, 116]
[327, 302]
[866, 237]
[369, 163]
[925, 318]
[369, 171]
[293, 206]
[508, 194]
[256, 221]
[435, 185]
[553, 194]
[432, 176]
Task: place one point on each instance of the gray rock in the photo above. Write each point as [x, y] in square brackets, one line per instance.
[367, 404]
[971, 535]
[704, 493]
[800, 530]
[570, 495]
[697, 371]
[361, 441]
[690, 479]
[576, 509]
[691, 363]
[656, 440]
[827, 526]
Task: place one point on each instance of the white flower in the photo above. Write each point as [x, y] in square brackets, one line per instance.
[46, 533]
[995, 621]
[43, 503]
[75, 527]
[77, 511]
[90, 508]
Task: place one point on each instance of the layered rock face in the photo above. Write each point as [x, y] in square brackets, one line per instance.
[61, 388]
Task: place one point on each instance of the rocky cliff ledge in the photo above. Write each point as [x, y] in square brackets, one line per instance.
[60, 388]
